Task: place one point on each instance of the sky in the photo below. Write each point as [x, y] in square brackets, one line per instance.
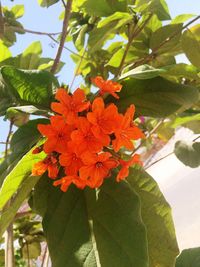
[180, 184]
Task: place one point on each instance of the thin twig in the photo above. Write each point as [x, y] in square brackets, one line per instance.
[71, 51]
[130, 40]
[23, 214]
[156, 49]
[77, 69]
[33, 32]
[171, 153]
[8, 139]
[63, 35]
[63, 3]
[28, 255]
[149, 135]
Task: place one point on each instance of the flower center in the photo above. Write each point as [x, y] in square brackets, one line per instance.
[99, 164]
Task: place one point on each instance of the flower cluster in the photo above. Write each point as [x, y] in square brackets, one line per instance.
[84, 139]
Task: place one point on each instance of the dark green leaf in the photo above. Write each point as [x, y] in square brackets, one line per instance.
[188, 153]
[155, 97]
[156, 215]
[85, 227]
[189, 258]
[31, 250]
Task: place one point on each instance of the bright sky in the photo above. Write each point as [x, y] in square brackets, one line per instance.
[180, 184]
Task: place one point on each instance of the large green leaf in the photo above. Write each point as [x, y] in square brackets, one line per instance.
[191, 38]
[9, 213]
[155, 97]
[189, 258]
[19, 173]
[92, 228]
[188, 153]
[29, 87]
[156, 215]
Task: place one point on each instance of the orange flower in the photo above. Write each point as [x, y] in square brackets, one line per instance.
[103, 119]
[70, 105]
[107, 86]
[48, 164]
[71, 159]
[124, 172]
[66, 181]
[84, 138]
[57, 133]
[97, 167]
[127, 131]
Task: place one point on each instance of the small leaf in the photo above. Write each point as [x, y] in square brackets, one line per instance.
[156, 97]
[182, 18]
[188, 153]
[30, 58]
[109, 230]
[142, 72]
[184, 120]
[189, 257]
[18, 11]
[31, 250]
[47, 3]
[157, 217]
[5, 52]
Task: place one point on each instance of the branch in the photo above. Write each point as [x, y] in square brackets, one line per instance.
[63, 35]
[155, 50]
[63, 3]
[18, 29]
[1, 22]
[131, 38]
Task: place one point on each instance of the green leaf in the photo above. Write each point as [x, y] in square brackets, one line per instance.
[188, 153]
[106, 29]
[172, 46]
[26, 136]
[100, 8]
[30, 58]
[29, 87]
[47, 3]
[15, 178]
[182, 18]
[142, 72]
[31, 250]
[190, 39]
[189, 257]
[157, 217]
[5, 52]
[156, 97]
[92, 228]
[9, 213]
[158, 7]
[184, 120]
[18, 11]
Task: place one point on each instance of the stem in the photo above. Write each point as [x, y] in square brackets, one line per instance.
[28, 256]
[130, 40]
[77, 70]
[148, 135]
[171, 153]
[63, 3]
[9, 248]
[152, 54]
[63, 35]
